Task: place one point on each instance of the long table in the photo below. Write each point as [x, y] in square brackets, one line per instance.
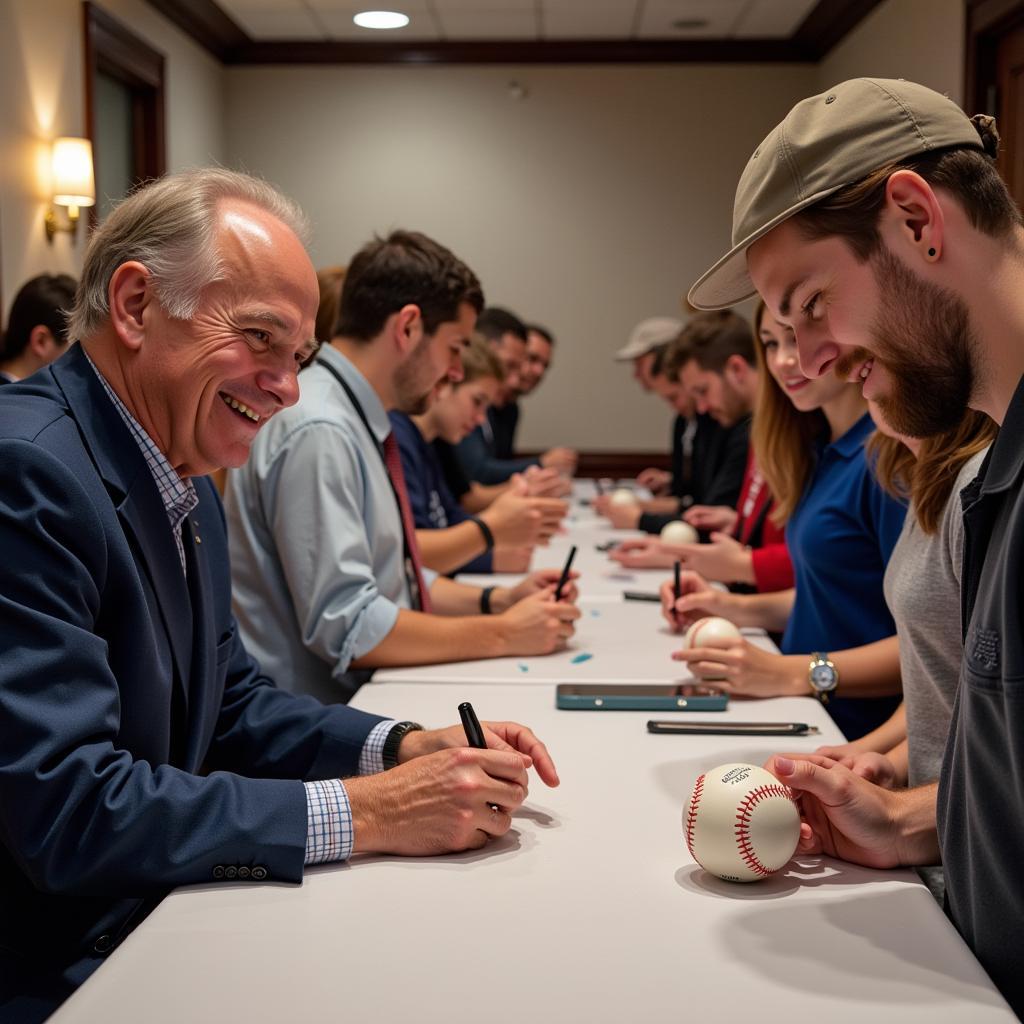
[590, 909]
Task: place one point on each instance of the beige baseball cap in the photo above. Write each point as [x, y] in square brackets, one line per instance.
[825, 143]
[649, 335]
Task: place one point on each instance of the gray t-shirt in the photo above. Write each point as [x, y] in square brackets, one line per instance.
[922, 589]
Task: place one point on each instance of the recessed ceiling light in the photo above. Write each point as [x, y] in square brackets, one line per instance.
[381, 19]
[689, 23]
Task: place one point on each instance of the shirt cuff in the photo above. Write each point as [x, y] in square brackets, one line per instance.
[329, 830]
[329, 833]
[371, 758]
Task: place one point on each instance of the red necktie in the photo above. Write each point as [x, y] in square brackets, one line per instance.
[393, 461]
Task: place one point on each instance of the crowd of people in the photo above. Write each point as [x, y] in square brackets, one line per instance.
[177, 663]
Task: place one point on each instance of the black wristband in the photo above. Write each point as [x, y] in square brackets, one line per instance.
[389, 754]
[485, 600]
[485, 530]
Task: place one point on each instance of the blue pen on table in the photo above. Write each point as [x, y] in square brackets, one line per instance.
[474, 733]
[563, 579]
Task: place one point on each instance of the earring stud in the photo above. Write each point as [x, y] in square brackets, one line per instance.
[931, 252]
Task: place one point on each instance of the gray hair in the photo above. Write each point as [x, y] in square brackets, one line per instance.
[169, 227]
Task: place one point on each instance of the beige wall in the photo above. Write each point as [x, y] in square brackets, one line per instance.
[920, 40]
[588, 205]
[41, 90]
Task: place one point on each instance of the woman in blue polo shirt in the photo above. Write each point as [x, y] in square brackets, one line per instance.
[499, 539]
[841, 526]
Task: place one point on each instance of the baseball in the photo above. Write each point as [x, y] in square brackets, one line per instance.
[678, 532]
[710, 628]
[623, 497]
[741, 823]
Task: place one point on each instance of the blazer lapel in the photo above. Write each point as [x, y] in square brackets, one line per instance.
[133, 490]
[204, 693]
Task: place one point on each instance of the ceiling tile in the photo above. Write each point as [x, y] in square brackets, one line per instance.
[336, 16]
[588, 19]
[773, 18]
[516, 23]
[274, 19]
[659, 17]
[465, 6]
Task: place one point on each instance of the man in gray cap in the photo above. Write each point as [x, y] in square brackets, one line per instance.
[873, 222]
[644, 341]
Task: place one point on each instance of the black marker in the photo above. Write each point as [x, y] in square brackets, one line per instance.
[565, 573]
[641, 595]
[676, 584]
[474, 734]
[598, 486]
[732, 728]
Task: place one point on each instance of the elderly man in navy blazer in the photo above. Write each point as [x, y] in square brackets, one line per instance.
[141, 748]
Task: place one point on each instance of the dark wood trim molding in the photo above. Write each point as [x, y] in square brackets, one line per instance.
[113, 49]
[551, 51]
[213, 29]
[207, 23]
[828, 23]
[986, 21]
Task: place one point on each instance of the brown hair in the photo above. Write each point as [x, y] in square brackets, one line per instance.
[711, 339]
[406, 268]
[929, 479]
[330, 280]
[782, 436]
[969, 175]
[479, 362]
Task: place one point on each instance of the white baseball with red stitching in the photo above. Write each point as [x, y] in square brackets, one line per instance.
[710, 628]
[741, 823]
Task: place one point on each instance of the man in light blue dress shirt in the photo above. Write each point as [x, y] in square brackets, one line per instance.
[319, 560]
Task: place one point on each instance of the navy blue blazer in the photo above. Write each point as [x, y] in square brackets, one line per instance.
[141, 747]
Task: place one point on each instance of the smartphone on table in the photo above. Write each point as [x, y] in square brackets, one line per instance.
[639, 697]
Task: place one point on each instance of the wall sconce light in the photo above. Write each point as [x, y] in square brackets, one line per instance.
[73, 183]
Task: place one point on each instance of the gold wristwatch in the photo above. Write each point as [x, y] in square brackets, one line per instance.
[823, 676]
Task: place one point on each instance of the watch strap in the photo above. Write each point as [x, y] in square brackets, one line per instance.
[389, 755]
[485, 530]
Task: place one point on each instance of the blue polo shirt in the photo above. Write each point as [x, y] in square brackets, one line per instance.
[840, 538]
[433, 506]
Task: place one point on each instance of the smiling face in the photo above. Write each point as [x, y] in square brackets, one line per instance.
[536, 363]
[511, 350]
[203, 387]
[435, 358]
[781, 359]
[906, 340]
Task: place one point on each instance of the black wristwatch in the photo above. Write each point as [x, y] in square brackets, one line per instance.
[390, 753]
[823, 676]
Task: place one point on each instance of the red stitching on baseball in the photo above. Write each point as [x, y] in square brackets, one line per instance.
[691, 813]
[745, 810]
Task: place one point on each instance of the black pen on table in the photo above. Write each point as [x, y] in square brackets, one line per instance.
[598, 486]
[474, 734]
[563, 579]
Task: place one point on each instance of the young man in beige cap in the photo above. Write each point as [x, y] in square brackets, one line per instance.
[872, 221]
